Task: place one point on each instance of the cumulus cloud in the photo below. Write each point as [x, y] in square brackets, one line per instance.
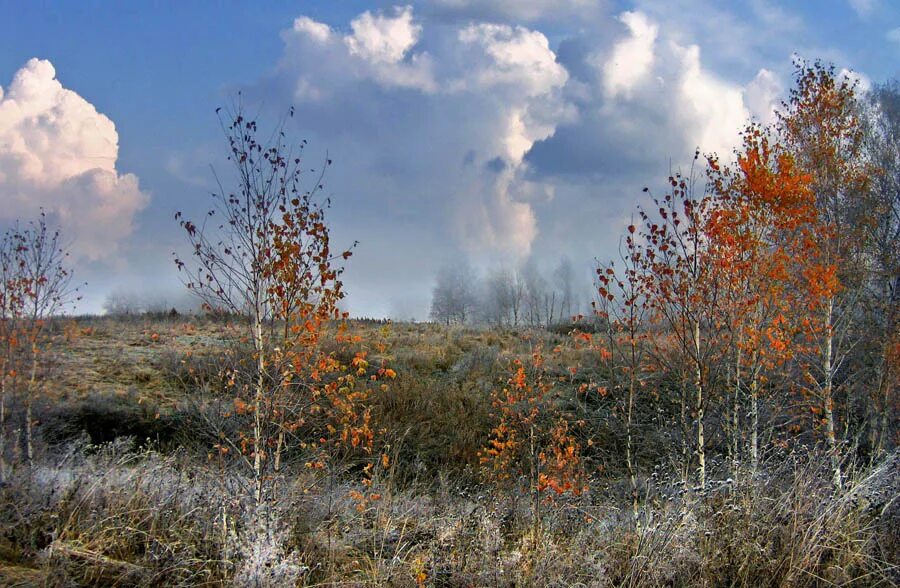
[58, 153]
[517, 64]
[712, 110]
[632, 127]
[632, 57]
[643, 100]
[317, 31]
[516, 56]
[452, 110]
[380, 48]
[862, 81]
[762, 96]
[479, 135]
[383, 39]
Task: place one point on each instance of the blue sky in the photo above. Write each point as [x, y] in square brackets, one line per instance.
[496, 129]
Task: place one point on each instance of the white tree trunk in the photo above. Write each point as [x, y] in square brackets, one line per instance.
[828, 395]
[698, 384]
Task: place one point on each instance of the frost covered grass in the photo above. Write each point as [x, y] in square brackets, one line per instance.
[128, 490]
[117, 515]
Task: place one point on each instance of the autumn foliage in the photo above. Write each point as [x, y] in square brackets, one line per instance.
[723, 413]
[269, 264]
[531, 442]
[750, 273]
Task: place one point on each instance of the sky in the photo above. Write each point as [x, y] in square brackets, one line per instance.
[498, 130]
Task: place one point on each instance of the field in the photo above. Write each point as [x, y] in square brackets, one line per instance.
[127, 489]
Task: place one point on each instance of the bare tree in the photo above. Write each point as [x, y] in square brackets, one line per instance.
[12, 304]
[46, 278]
[453, 299]
[564, 278]
[525, 295]
[883, 150]
[536, 293]
[499, 297]
[518, 296]
[268, 262]
[122, 304]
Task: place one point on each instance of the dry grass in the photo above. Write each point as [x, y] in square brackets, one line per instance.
[115, 515]
[139, 513]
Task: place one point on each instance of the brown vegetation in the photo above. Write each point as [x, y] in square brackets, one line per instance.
[155, 506]
[724, 416]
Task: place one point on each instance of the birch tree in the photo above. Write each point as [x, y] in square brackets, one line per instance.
[820, 123]
[263, 255]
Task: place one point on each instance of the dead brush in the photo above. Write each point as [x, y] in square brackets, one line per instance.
[134, 519]
[442, 429]
[785, 527]
[388, 528]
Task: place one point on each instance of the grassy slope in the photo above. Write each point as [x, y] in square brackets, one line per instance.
[116, 516]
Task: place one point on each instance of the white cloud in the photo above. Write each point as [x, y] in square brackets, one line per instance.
[737, 38]
[713, 110]
[655, 99]
[632, 57]
[380, 47]
[383, 39]
[862, 81]
[458, 106]
[59, 153]
[317, 31]
[517, 56]
[499, 223]
[517, 64]
[468, 133]
[762, 96]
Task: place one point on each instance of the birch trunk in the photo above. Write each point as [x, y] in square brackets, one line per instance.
[3, 425]
[29, 401]
[698, 384]
[258, 440]
[828, 395]
[754, 421]
[629, 459]
[736, 412]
